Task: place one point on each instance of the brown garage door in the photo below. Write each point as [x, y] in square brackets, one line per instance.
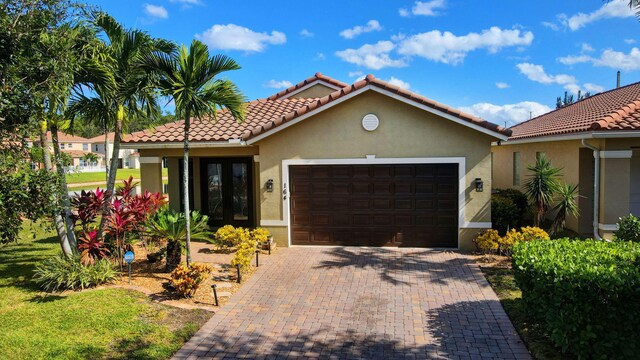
[413, 205]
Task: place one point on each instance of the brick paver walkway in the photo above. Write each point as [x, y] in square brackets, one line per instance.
[361, 303]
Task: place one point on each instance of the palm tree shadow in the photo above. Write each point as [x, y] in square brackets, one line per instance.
[398, 266]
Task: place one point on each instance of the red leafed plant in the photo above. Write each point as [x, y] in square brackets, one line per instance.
[87, 206]
[91, 248]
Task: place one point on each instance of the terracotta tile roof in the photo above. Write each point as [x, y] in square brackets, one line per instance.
[371, 80]
[316, 77]
[266, 114]
[617, 109]
[68, 138]
[259, 113]
[100, 138]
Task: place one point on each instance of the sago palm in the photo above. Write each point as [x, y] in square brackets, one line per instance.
[541, 185]
[566, 205]
[189, 78]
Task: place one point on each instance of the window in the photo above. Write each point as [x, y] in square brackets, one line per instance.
[61, 146]
[69, 145]
[516, 168]
[85, 147]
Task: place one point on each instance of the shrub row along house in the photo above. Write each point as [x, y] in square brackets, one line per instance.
[77, 148]
[596, 141]
[327, 163]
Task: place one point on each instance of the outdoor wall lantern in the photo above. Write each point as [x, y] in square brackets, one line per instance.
[269, 185]
[479, 185]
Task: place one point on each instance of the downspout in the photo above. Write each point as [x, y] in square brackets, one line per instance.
[596, 188]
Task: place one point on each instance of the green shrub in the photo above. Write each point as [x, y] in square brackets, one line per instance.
[59, 273]
[508, 209]
[584, 294]
[628, 229]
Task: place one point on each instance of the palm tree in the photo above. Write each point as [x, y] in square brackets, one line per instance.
[189, 77]
[541, 185]
[566, 205]
[131, 92]
[90, 158]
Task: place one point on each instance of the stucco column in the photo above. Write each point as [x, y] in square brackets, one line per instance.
[615, 177]
[151, 174]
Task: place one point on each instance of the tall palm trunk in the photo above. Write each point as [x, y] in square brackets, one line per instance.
[106, 153]
[185, 184]
[58, 220]
[66, 204]
[113, 167]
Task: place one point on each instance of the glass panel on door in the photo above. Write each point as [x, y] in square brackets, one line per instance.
[240, 191]
[214, 183]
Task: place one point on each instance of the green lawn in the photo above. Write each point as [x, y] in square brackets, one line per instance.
[111, 323]
[503, 283]
[122, 174]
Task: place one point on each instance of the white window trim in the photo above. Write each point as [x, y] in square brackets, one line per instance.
[461, 161]
[616, 154]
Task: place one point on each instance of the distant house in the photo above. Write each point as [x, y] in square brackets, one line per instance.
[328, 163]
[127, 158]
[76, 147]
[597, 143]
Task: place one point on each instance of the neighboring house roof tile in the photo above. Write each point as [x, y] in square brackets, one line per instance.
[79, 153]
[317, 77]
[100, 138]
[266, 114]
[68, 138]
[617, 109]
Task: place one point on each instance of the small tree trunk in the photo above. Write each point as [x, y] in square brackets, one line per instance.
[66, 204]
[106, 154]
[58, 220]
[185, 186]
[173, 255]
[113, 168]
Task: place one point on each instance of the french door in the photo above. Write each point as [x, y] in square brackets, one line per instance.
[227, 191]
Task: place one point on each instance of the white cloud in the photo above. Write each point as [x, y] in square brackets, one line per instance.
[448, 48]
[374, 56]
[156, 11]
[586, 47]
[187, 2]
[608, 58]
[234, 37]
[573, 88]
[611, 9]
[306, 33]
[502, 85]
[536, 73]
[510, 113]
[630, 41]
[424, 8]
[275, 84]
[320, 56]
[355, 73]
[372, 25]
[550, 25]
[575, 59]
[619, 60]
[593, 88]
[399, 83]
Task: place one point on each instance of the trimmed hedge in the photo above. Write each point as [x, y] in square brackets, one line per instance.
[584, 293]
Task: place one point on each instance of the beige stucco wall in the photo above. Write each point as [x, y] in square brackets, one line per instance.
[562, 154]
[404, 132]
[151, 177]
[316, 91]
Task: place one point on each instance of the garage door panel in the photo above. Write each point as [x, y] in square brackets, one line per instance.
[380, 205]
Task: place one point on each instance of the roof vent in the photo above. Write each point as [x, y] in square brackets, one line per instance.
[370, 122]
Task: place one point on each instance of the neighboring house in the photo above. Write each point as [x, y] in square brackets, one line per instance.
[76, 147]
[596, 141]
[326, 163]
[127, 158]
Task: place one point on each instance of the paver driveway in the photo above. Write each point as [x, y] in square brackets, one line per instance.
[372, 303]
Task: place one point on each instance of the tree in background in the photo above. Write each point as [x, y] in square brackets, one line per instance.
[569, 99]
[189, 77]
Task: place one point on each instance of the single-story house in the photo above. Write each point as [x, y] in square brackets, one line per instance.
[596, 142]
[327, 163]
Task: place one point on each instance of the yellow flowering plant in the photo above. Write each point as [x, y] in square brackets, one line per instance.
[488, 241]
[186, 281]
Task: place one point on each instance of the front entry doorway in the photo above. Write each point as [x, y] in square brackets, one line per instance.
[227, 191]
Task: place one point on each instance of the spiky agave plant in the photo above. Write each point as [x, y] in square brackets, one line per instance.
[566, 205]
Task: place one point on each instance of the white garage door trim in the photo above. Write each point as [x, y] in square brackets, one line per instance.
[371, 160]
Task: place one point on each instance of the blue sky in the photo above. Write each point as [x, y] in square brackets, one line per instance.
[500, 60]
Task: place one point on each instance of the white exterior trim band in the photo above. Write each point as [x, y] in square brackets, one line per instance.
[150, 160]
[310, 85]
[273, 223]
[579, 136]
[616, 154]
[461, 161]
[476, 225]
